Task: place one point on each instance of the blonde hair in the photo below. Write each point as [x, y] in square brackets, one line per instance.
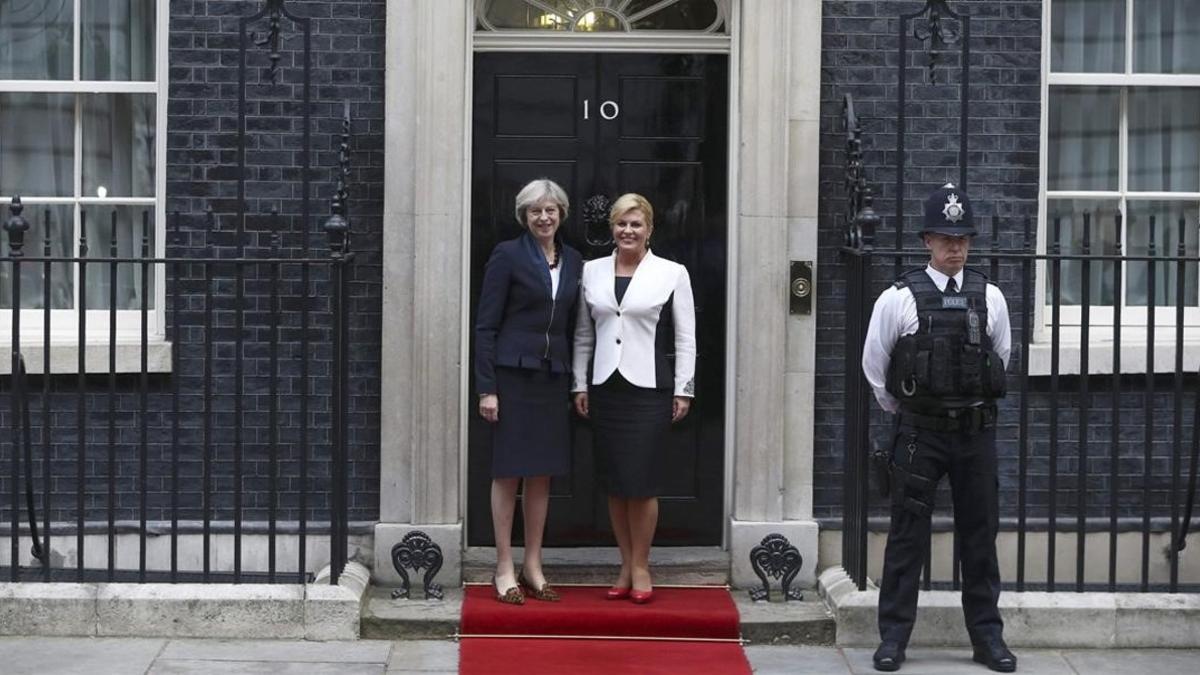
[537, 190]
[628, 202]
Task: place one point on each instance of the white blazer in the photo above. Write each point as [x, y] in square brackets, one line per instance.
[624, 337]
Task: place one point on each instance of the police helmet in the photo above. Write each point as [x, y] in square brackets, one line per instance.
[948, 211]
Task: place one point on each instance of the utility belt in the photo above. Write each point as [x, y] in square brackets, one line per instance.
[969, 419]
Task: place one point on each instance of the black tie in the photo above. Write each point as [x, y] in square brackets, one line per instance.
[951, 286]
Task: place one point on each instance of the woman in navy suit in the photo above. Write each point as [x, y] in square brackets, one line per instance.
[522, 367]
[635, 307]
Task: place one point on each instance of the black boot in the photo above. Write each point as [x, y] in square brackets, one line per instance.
[889, 656]
[994, 654]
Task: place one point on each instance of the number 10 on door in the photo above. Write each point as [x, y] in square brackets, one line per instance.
[609, 110]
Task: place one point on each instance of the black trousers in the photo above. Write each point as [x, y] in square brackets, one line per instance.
[921, 458]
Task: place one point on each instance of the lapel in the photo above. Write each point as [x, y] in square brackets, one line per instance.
[535, 258]
[568, 274]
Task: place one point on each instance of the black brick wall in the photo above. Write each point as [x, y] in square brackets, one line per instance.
[347, 65]
[860, 57]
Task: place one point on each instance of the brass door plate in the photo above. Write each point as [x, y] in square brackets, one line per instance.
[800, 287]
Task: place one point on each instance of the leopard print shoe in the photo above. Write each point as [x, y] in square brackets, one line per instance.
[511, 596]
[545, 593]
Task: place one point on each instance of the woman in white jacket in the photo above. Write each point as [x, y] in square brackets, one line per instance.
[635, 309]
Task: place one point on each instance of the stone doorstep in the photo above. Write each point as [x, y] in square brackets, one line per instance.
[798, 622]
[1031, 619]
[316, 611]
[687, 565]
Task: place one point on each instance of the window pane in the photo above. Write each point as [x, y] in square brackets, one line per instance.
[37, 144]
[1165, 36]
[596, 21]
[1102, 240]
[35, 39]
[1083, 148]
[683, 15]
[520, 14]
[1087, 36]
[117, 40]
[1166, 243]
[58, 219]
[99, 227]
[1164, 140]
[118, 145]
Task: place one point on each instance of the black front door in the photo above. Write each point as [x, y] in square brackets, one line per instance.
[605, 124]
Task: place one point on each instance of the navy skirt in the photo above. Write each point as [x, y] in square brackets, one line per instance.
[531, 438]
[632, 426]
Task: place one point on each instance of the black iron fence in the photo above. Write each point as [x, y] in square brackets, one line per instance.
[115, 446]
[196, 398]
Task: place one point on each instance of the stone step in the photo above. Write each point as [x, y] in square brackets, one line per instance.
[805, 622]
[796, 622]
[693, 565]
[386, 619]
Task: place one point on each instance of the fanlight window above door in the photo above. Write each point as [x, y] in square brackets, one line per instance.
[594, 16]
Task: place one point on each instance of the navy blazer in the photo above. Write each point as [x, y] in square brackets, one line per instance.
[518, 324]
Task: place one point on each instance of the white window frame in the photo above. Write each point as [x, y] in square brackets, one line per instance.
[1133, 318]
[64, 334]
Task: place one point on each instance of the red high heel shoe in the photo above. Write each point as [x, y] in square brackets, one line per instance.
[616, 593]
[641, 597]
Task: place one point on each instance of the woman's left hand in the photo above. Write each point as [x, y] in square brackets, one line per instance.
[679, 409]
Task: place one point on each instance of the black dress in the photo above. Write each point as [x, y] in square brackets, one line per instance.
[632, 426]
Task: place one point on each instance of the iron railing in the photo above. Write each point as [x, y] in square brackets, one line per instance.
[1066, 453]
[118, 416]
[1083, 468]
[1080, 466]
[247, 427]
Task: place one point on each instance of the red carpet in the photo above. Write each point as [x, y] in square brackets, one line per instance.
[550, 637]
[599, 657]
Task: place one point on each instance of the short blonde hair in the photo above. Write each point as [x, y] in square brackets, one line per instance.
[629, 202]
[535, 191]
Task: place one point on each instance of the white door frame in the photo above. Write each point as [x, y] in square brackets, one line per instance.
[773, 167]
[616, 43]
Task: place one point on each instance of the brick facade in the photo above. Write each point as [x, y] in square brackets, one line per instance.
[860, 57]
[347, 65]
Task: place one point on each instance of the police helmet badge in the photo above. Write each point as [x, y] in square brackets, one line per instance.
[952, 209]
[948, 211]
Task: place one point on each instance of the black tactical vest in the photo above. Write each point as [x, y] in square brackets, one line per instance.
[949, 362]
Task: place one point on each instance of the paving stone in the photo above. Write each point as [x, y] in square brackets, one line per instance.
[78, 656]
[298, 651]
[424, 656]
[958, 661]
[1124, 661]
[188, 666]
[796, 660]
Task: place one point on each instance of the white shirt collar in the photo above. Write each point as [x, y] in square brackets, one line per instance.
[940, 279]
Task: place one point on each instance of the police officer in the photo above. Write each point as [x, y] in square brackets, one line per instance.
[935, 355]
